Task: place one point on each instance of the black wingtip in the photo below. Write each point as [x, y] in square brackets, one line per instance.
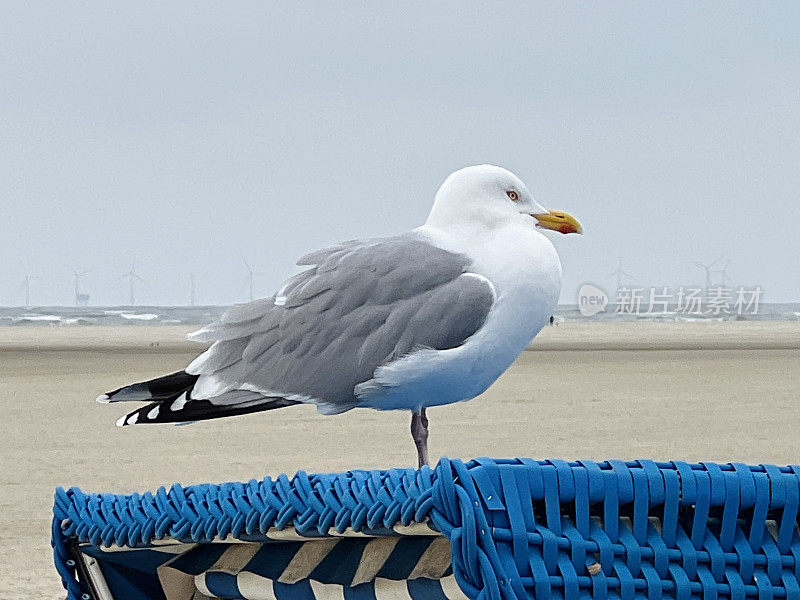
[190, 410]
[161, 388]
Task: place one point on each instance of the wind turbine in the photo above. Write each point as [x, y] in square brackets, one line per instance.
[27, 283]
[619, 273]
[250, 276]
[80, 299]
[133, 277]
[191, 289]
[725, 278]
[708, 270]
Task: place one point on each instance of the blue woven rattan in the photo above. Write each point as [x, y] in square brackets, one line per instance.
[518, 528]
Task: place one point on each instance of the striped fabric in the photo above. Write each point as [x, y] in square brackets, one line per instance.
[345, 567]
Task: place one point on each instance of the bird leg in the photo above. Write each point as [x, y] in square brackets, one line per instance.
[419, 431]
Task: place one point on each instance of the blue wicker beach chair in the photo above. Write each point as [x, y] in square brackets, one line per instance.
[487, 529]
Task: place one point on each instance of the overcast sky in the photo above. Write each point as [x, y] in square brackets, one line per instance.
[197, 135]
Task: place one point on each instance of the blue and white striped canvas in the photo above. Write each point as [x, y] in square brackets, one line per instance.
[348, 567]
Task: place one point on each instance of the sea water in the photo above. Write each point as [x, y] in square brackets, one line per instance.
[66, 316]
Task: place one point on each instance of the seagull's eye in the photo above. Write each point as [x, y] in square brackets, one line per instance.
[513, 195]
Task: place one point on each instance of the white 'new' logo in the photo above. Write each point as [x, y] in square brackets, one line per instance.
[591, 300]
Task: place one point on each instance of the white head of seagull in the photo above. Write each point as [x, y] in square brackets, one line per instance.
[488, 196]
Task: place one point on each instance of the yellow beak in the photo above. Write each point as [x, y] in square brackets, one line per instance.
[558, 221]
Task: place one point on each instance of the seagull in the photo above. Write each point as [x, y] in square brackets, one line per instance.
[425, 318]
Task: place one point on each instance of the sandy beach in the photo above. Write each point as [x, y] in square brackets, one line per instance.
[717, 391]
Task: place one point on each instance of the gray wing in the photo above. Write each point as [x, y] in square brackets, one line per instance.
[359, 306]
